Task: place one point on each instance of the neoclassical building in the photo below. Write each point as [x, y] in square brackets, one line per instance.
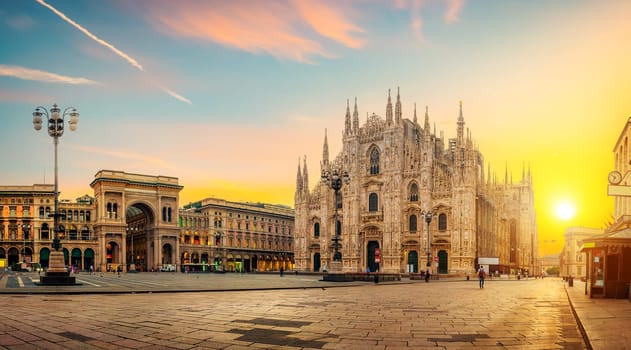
[400, 171]
[133, 221]
[234, 236]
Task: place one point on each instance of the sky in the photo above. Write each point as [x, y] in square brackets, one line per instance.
[228, 96]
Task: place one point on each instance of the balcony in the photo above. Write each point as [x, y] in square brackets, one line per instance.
[372, 216]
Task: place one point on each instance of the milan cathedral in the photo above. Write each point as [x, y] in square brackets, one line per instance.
[413, 201]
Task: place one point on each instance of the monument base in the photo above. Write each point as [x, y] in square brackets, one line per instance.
[57, 274]
[335, 267]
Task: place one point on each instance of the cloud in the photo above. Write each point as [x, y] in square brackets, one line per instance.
[452, 13]
[20, 22]
[329, 22]
[282, 29]
[39, 75]
[454, 7]
[124, 154]
[120, 53]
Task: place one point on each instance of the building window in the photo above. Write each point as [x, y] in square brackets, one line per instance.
[413, 193]
[413, 223]
[316, 229]
[374, 161]
[373, 202]
[442, 222]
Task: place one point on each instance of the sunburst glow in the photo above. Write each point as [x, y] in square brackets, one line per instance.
[565, 211]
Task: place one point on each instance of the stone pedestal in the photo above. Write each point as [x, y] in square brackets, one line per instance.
[57, 274]
[335, 267]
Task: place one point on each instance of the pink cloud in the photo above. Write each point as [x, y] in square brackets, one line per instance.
[329, 21]
[276, 28]
[454, 7]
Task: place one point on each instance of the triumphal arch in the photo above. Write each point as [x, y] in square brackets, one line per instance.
[137, 220]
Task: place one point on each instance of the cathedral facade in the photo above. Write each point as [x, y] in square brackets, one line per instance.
[413, 201]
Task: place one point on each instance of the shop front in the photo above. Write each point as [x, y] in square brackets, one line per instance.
[608, 265]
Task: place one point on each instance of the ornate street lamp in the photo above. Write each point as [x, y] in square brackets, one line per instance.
[55, 121]
[335, 181]
[131, 231]
[428, 215]
[25, 230]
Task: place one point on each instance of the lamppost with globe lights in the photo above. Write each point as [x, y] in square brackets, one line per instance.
[55, 121]
[335, 180]
[25, 230]
[131, 231]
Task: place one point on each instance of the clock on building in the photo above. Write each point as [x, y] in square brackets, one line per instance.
[615, 177]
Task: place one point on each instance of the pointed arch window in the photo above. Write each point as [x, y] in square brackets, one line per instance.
[374, 161]
[442, 222]
[373, 202]
[413, 223]
[413, 193]
[316, 229]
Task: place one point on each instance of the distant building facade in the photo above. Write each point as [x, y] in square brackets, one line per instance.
[572, 260]
[134, 222]
[216, 234]
[26, 227]
[399, 170]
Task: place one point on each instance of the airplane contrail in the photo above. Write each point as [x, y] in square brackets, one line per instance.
[129, 59]
[120, 53]
[176, 95]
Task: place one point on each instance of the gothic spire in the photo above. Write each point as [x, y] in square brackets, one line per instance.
[347, 119]
[506, 174]
[389, 110]
[298, 179]
[426, 126]
[355, 118]
[460, 126]
[415, 120]
[325, 151]
[305, 176]
[397, 108]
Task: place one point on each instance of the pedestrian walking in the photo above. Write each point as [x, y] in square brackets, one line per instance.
[427, 275]
[481, 276]
[281, 271]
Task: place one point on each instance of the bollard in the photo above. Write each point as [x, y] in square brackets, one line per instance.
[570, 282]
[376, 278]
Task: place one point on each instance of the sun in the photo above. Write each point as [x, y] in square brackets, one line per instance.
[565, 211]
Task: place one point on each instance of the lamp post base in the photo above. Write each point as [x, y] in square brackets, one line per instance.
[335, 267]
